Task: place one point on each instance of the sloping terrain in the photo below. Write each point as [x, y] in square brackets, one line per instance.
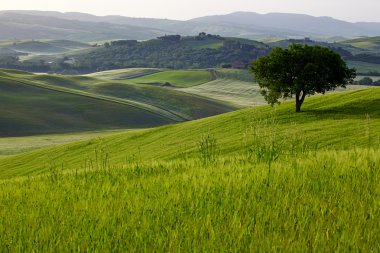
[176, 78]
[364, 67]
[238, 24]
[122, 74]
[259, 179]
[231, 85]
[341, 120]
[28, 108]
[174, 52]
[239, 93]
[369, 43]
[85, 103]
[46, 47]
[26, 27]
[16, 145]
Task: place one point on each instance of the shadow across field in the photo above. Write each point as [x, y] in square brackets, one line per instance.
[355, 110]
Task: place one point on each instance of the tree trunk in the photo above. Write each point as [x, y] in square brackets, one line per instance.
[298, 105]
[299, 100]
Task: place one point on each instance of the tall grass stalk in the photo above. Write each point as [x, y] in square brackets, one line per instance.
[208, 149]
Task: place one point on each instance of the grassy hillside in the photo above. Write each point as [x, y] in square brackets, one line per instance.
[16, 145]
[344, 120]
[181, 105]
[256, 180]
[230, 85]
[48, 47]
[122, 74]
[364, 67]
[239, 93]
[43, 46]
[26, 107]
[176, 78]
[233, 86]
[371, 43]
[25, 26]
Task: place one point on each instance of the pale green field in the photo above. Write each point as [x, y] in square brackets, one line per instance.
[372, 43]
[17, 145]
[363, 66]
[177, 78]
[234, 86]
[238, 93]
[122, 74]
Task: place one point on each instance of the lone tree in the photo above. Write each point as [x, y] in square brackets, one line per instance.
[300, 71]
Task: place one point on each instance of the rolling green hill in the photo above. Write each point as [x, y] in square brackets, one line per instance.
[48, 47]
[75, 101]
[28, 109]
[43, 46]
[122, 74]
[16, 145]
[344, 119]
[26, 26]
[369, 43]
[364, 67]
[188, 52]
[176, 78]
[239, 93]
[230, 85]
[233, 86]
[256, 180]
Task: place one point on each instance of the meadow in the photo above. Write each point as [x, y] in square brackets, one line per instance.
[257, 179]
[307, 201]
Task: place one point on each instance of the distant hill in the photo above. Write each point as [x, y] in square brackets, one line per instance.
[80, 26]
[173, 52]
[169, 51]
[15, 26]
[366, 43]
[41, 47]
[294, 24]
[40, 104]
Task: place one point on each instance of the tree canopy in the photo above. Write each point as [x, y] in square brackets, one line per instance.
[299, 71]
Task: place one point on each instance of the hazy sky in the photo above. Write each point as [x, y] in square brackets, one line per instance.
[350, 10]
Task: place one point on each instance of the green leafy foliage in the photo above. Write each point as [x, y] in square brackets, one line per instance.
[300, 71]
